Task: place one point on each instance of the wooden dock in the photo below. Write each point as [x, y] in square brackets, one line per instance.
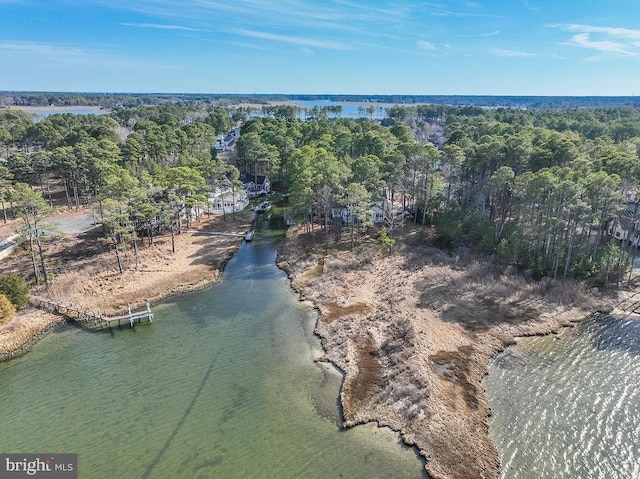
[248, 236]
[94, 319]
[213, 233]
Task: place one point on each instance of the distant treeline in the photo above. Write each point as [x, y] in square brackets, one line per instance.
[106, 100]
[118, 100]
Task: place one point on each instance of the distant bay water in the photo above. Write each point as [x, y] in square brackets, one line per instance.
[349, 110]
[73, 111]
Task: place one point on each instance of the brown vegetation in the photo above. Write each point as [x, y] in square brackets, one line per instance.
[333, 311]
[27, 327]
[414, 331]
[367, 381]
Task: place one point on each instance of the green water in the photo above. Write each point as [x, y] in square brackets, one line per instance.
[221, 385]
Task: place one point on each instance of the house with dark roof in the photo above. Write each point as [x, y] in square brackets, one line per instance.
[255, 185]
[625, 229]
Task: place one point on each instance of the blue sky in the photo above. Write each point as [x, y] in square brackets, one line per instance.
[500, 47]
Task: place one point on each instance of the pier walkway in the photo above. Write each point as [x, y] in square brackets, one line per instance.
[93, 319]
[247, 236]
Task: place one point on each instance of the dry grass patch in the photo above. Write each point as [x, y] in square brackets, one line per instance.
[316, 271]
[361, 388]
[333, 311]
[87, 275]
[454, 366]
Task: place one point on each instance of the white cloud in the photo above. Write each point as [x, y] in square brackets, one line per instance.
[528, 6]
[489, 34]
[513, 53]
[302, 41]
[160, 26]
[426, 45]
[49, 53]
[440, 10]
[610, 31]
[607, 41]
[245, 45]
[337, 15]
[41, 49]
[582, 40]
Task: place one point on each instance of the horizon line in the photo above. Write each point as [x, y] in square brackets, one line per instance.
[158, 93]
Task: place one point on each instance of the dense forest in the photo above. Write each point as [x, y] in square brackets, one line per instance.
[535, 189]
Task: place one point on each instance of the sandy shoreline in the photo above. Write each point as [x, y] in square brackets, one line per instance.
[95, 283]
[414, 332]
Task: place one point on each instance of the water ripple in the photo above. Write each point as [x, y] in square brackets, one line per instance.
[568, 406]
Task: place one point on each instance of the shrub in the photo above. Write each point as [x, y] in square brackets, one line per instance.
[385, 242]
[420, 237]
[443, 241]
[15, 288]
[7, 310]
[464, 226]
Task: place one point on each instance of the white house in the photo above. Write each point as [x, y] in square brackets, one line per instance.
[376, 214]
[7, 245]
[224, 200]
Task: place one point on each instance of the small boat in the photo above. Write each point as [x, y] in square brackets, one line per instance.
[263, 207]
[248, 236]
